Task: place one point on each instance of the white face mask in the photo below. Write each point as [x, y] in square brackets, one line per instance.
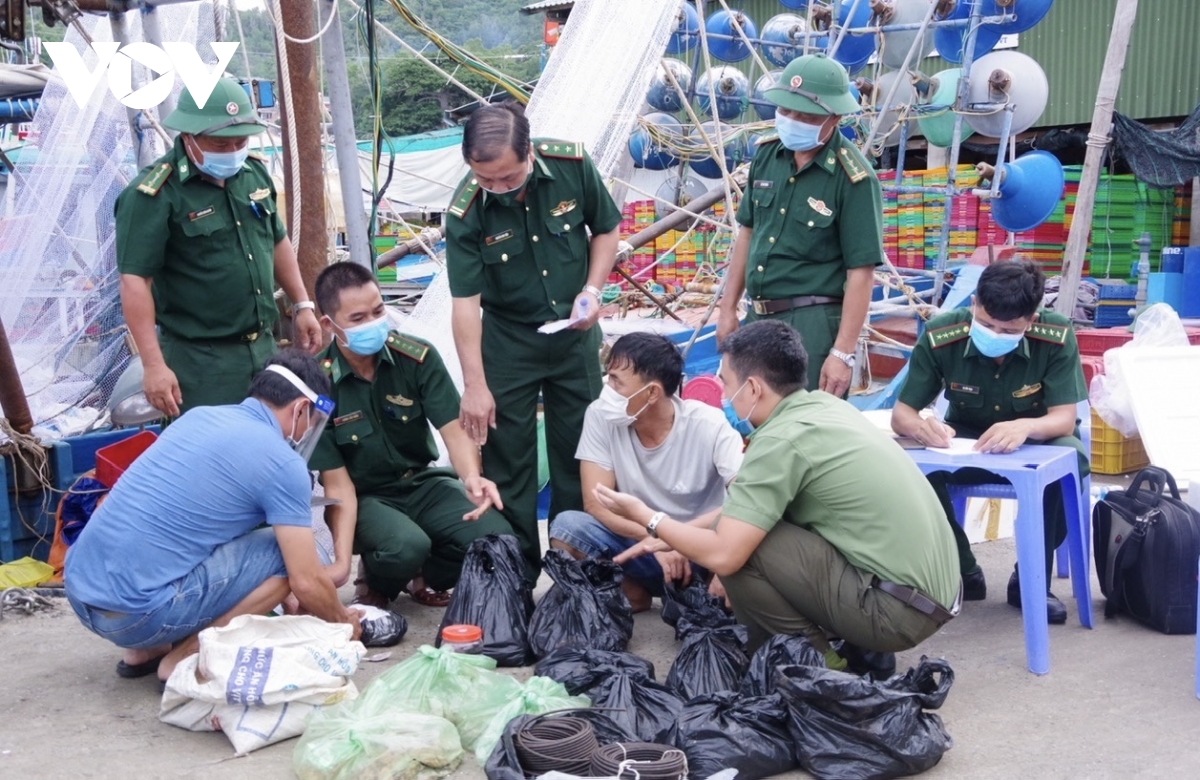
[613, 405]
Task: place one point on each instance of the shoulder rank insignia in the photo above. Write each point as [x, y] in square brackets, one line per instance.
[464, 198]
[854, 164]
[565, 150]
[1052, 334]
[948, 335]
[407, 346]
[153, 181]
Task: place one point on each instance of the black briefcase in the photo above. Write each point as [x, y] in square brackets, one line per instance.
[1147, 543]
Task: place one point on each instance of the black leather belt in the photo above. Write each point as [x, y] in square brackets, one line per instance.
[918, 600]
[787, 304]
[241, 338]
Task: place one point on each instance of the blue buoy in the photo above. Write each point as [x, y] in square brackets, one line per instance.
[687, 32]
[662, 96]
[950, 41]
[854, 50]
[724, 43]
[652, 154]
[783, 39]
[735, 151]
[763, 107]
[732, 90]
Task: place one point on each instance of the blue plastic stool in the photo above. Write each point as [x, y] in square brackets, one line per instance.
[1197, 638]
[1029, 471]
[1083, 412]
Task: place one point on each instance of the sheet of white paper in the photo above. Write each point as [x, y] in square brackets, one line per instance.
[557, 325]
[958, 446]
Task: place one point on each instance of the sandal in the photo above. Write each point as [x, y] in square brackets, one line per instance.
[367, 596]
[134, 671]
[431, 598]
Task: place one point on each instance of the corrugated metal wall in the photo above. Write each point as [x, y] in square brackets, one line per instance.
[1162, 71]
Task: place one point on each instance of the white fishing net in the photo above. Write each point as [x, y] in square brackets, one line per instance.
[59, 297]
[592, 90]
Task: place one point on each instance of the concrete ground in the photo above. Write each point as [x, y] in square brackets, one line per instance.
[1119, 701]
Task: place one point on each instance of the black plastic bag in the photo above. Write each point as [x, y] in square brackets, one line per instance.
[645, 708]
[695, 604]
[711, 660]
[846, 727]
[580, 669]
[381, 627]
[779, 650]
[505, 763]
[585, 607]
[492, 594]
[730, 731]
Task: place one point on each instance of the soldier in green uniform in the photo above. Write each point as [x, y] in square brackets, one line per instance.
[517, 247]
[810, 225]
[1011, 374]
[410, 523]
[200, 249]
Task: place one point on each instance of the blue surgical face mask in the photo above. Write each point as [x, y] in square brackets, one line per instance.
[223, 165]
[740, 424]
[367, 338]
[991, 343]
[796, 135]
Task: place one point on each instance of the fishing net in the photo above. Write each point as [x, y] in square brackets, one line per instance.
[59, 297]
[1160, 159]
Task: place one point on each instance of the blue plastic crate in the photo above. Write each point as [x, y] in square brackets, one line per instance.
[1118, 292]
[27, 517]
[1113, 316]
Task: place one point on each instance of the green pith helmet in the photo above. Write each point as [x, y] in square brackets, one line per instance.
[814, 84]
[226, 114]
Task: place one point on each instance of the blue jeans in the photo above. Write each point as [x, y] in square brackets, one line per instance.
[210, 590]
[588, 535]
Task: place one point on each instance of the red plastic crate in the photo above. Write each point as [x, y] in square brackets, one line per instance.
[1092, 366]
[1097, 341]
[111, 461]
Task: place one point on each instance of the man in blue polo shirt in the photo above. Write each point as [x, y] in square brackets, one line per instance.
[179, 544]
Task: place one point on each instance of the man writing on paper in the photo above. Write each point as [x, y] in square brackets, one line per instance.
[1011, 373]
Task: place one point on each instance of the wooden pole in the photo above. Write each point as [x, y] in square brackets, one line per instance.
[300, 23]
[12, 394]
[1098, 140]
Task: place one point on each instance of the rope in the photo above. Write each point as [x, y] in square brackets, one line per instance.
[315, 38]
[562, 744]
[639, 761]
[293, 152]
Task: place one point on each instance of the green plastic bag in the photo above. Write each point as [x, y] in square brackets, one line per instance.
[459, 687]
[539, 694]
[347, 742]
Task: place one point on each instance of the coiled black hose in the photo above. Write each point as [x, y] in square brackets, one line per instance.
[562, 744]
[639, 761]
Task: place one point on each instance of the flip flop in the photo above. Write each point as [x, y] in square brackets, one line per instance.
[132, 672]
[431, 598]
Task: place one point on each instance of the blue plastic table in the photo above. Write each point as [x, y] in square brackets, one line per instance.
[1029, 470]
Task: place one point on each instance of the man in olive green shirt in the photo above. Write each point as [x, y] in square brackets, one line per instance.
[517, 247]
[811, 225]
[828, 527]
[410, 523]
[200, 249]
[1011, 374]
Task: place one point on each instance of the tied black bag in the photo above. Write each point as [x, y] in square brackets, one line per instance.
[492, 594]
[711, 660]
[1147, 543]
[779, 650]
[638, 704]
[730, 731]
[580, 669]
[694, 603]
[846, 727]
[584, 607]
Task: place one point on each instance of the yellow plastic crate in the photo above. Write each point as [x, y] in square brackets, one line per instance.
[1112, 453]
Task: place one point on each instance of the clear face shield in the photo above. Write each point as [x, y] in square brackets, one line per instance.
[322, 410]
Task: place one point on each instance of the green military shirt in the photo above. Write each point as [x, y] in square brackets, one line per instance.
[210, 250]
[380, 429]
[1043, 371]
[818, 463]
[810, 225]
[527, 261]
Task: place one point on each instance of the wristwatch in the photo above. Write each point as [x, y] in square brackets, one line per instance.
[848, 358]
[593, 289]
[302, 305]
[652, 526]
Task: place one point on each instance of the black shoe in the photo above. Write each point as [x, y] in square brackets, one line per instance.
[881, 666]
[1056, 611]
[974, 586]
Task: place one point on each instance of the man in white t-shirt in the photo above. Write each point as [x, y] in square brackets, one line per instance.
[640, 438]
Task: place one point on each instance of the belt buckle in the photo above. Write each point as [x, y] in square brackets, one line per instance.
[760, 308]
[251, 337]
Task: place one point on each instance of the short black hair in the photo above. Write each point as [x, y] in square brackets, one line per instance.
[770, 350]
[275, 390]
[1011, 290]
[337, 277]
[492, 129]
[652, 357]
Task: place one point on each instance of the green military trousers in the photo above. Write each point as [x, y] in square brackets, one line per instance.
[1054, 514]
[418, 528]
[213, 373]
[520, 364]
[818, 328]
[798, 583]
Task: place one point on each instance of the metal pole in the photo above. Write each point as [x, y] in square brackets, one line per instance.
[1106, 97]
[152, 31]
[337, 87]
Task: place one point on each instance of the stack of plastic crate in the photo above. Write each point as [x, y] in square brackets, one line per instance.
[910, 221]
[891, 223]
[1182, 223]
[1116, 301]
